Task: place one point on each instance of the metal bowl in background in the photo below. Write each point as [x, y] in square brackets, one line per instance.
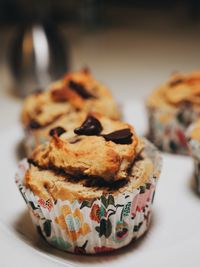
[37, 56]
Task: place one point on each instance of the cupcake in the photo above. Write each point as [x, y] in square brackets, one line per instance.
[63, 102]
[193, 137]
[171, 109]
[91, 189]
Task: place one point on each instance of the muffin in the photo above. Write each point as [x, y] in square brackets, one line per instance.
[61, 103]
[91, 189]
[193, 137]
[171, 109]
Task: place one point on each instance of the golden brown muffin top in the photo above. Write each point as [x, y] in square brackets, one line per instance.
[76, 91]
[180, 89]
[51, 185]
[98, 147]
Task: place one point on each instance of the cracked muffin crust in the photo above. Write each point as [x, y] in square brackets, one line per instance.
[57, 185]
[76, 91]
[179, 90]
[98, 147]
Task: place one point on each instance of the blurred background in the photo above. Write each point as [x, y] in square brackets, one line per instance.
[132, 46]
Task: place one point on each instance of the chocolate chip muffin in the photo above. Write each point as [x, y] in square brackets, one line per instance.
[91, 189]
[171, 109]
[62, 102]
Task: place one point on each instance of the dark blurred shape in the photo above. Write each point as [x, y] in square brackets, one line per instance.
[37, 57]
[73, 11]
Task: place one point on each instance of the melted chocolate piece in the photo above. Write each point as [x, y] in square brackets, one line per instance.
[100, 183]
[80, 89]
[34, 124]
[176, 82]
[91, 126]
[119, 137]
[31, 161]
[57, 131]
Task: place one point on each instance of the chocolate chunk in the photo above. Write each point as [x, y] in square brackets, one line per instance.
[80, 89]
[34, 124]
[59, 95]
[119, 137]
[57, 131]
[31, 161]
[91, 126]
[176, 82]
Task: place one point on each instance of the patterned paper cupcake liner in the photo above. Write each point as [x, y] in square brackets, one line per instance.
[194, 147]
[167, 128]
[98, 225]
